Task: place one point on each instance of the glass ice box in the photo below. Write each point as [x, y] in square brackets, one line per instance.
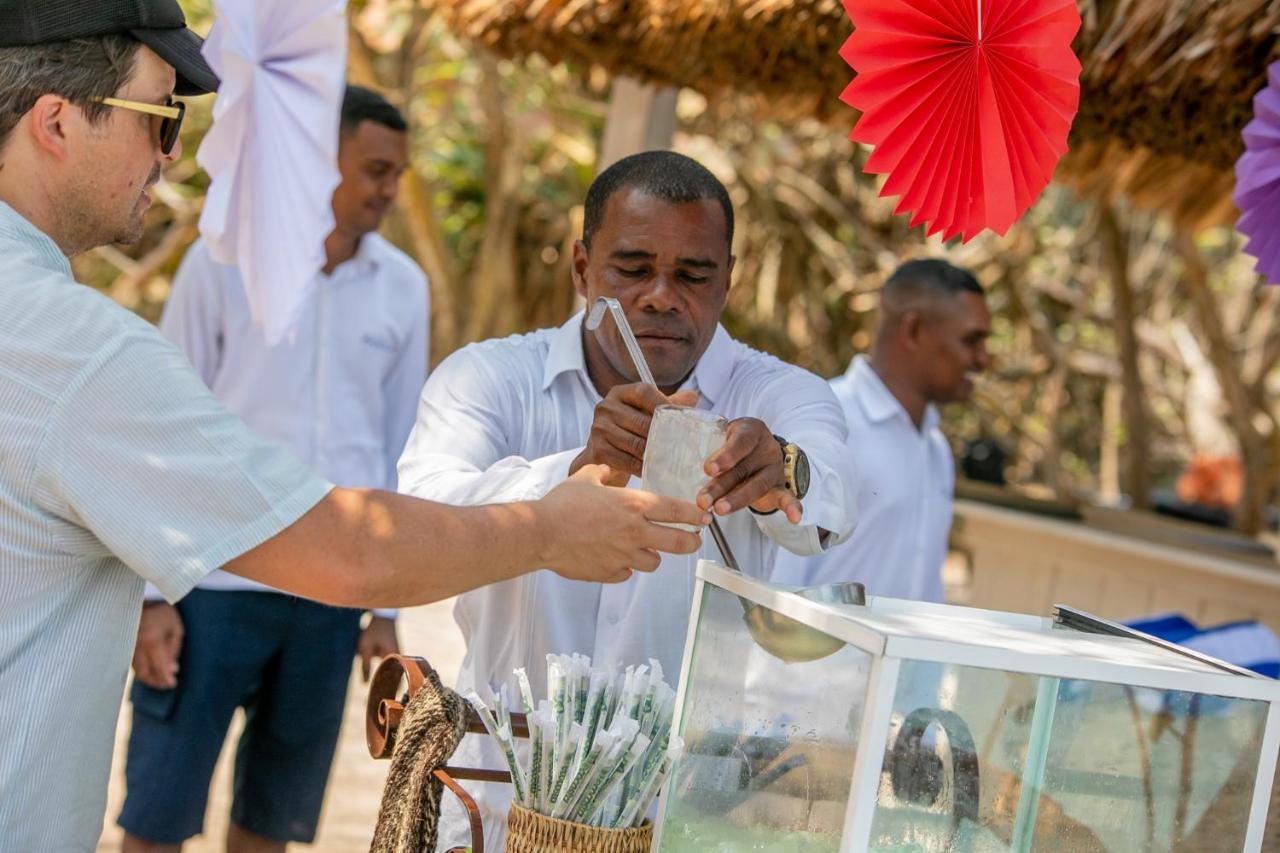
[901, 726]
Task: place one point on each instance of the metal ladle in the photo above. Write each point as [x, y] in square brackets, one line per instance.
[781, 636]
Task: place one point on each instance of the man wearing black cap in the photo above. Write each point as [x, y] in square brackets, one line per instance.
[117, 465]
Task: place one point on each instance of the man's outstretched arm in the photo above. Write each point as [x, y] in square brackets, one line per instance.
[368, 548]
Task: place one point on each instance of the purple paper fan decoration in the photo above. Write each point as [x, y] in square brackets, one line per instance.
[1257, 193]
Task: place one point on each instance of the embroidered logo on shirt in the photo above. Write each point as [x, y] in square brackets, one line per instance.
[378, 343]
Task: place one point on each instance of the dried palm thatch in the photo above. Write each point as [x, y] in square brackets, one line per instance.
[1166, 90]
[783, 49]
[1166, 87]
[1194, 193]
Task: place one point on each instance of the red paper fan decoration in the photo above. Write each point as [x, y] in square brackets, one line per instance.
[967, 103]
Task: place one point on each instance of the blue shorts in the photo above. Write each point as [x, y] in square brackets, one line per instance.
[286, 661]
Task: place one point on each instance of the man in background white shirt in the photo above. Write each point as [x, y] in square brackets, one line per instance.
[930, 342]
[509, 419]
[340, 390]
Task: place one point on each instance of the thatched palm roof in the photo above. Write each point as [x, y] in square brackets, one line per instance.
[1165, 91]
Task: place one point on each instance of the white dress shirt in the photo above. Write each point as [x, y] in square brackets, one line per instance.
[502, 420]
[340, 389]
[906, 477]
[116, 464]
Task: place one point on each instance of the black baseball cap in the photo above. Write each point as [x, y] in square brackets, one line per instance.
[159, 24]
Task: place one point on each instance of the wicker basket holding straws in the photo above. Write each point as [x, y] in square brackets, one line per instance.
[600, 748]
[530, 832]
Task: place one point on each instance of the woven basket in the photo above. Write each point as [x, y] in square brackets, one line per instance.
[528, 832]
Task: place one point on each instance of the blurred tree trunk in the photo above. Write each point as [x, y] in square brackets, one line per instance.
[641, 118]
[1258, 467]
[493, 284]
[1109, 448]
[415, 216]
[413, 211]
[1115, 252]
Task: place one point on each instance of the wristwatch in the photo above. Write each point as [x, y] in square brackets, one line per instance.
[795, 468]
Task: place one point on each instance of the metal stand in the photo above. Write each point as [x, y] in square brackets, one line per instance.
[386, 706]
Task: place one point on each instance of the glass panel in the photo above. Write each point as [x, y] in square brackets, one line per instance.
[951, 776]
[1138, 769]
[769, 746]
[977, 758]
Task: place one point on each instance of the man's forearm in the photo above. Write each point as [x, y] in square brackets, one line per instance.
[365, 548]
[369, 548]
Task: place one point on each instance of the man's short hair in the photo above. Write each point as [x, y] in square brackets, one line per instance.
[929, 276]
[80, 70]
[664, 175]
[360, 105]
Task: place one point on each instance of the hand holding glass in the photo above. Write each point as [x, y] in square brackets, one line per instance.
[680, 441]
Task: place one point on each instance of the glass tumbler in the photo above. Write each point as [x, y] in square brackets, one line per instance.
[680, 440]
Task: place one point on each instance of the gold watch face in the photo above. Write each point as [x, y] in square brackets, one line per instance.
[795, 468]
[800, 473]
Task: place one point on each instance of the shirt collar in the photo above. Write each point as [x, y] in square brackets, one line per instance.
[367, 250]
[15, 227]
[365, 260]
[878, 401]
[710, 375]
[565, 354]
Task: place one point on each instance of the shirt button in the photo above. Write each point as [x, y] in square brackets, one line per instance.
[614, 618]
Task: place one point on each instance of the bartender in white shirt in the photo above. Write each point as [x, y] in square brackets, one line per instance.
[509, 419]
[930, 342]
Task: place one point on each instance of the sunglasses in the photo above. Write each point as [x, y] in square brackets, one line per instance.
[170, 114]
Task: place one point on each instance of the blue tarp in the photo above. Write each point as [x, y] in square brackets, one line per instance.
[1246, 644]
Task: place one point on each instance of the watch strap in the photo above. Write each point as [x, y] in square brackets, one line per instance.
[788, 463]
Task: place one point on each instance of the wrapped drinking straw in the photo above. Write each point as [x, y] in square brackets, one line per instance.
[590, 770]
[482, 711]
[659, 734]
[634, 814]
[654, 702]
[502, 734]
[557, 696]
[616, 795]
[518, 782]
[621, 736]
[611, 707]
[568, 754]
[582, 688]
[592, 784]
[666, 700]
[594, 705]
[581, 771]
[598, 714]
[548, 738]
[586, 811]
[535, 757]
[526, 692]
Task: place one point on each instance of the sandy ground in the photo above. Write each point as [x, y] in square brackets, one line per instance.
[355, 786]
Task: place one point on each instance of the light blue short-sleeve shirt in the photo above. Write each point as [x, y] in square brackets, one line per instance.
[116, 466]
